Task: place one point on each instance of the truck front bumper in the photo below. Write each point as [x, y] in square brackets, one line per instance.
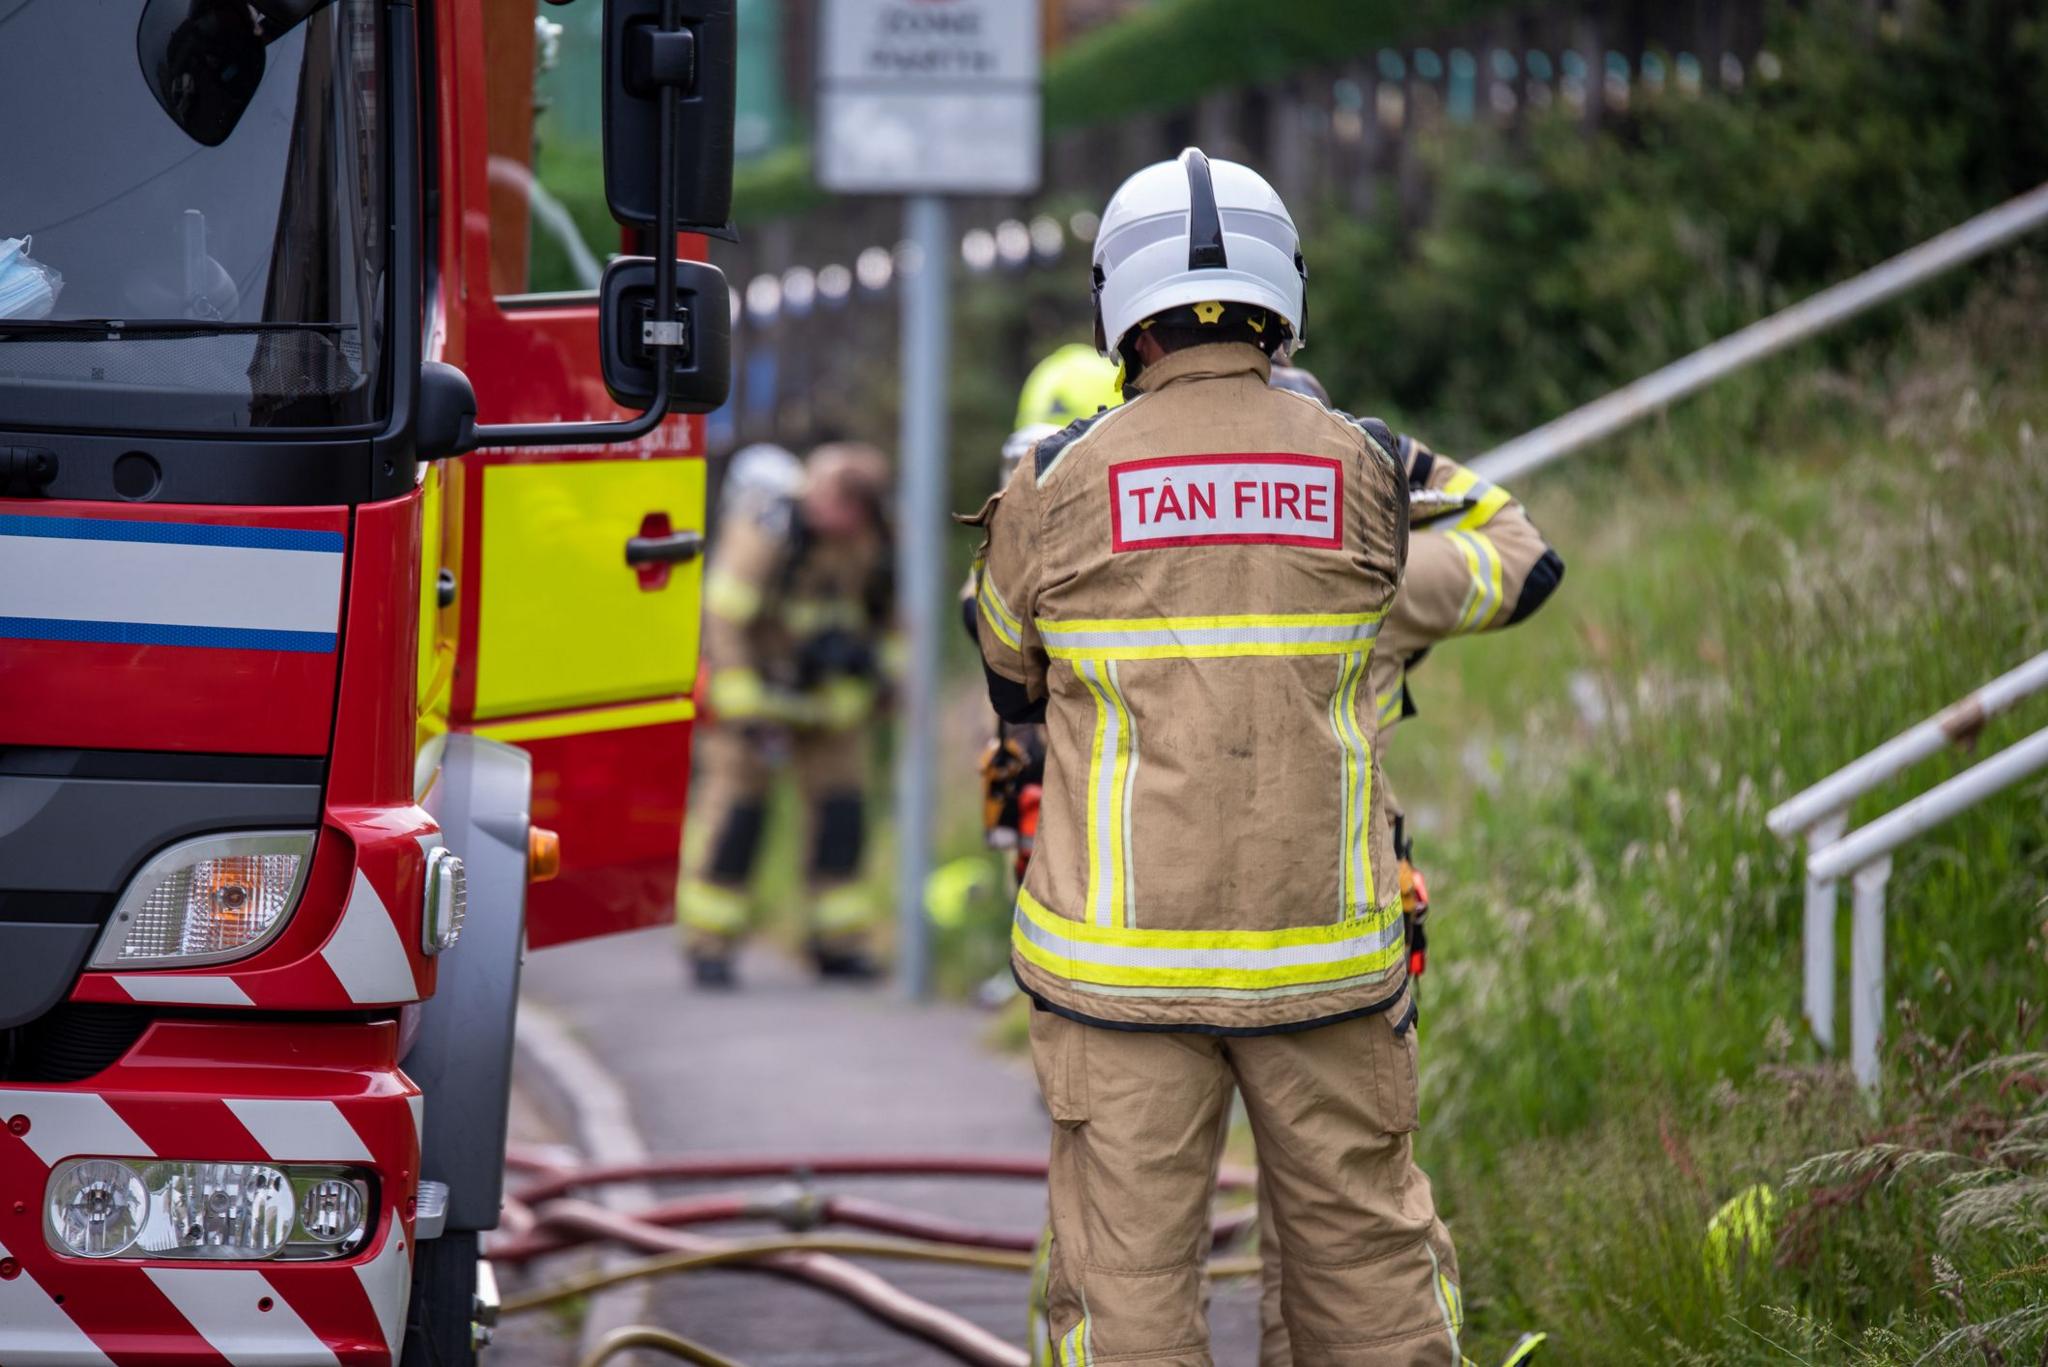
[226, 1091]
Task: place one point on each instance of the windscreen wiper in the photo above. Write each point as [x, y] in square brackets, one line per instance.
[115, 329]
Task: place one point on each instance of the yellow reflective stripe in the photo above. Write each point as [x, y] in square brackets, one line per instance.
[1390, 704]
[1231, 961]
[1482, 564]
[807, 615]
[1251, 941]
[737, 692]
[1075, 1348]
[1241, 619]
[1371, 899]
[1112, 774]
[996, 615]
[1490, 553]
[1126, 868]
[1205, 652]
[731, 597]
[1446, 1301]
[844, 908]
[709, 906]
[1109, 777]
[1193, 638]
[1355, 881]
[994, 599]
[1483, 498]
[1485, 507]
[1378, 954]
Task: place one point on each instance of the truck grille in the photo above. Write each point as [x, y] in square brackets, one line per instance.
[70, 1043]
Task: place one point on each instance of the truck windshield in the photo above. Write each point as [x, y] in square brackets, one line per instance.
[151, 282]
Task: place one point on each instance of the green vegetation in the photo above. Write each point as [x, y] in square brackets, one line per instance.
[1167, 56]
[1552, 266]
[1783, 574]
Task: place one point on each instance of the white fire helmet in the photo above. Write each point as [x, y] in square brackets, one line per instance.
[1191, 230]
[761, 472]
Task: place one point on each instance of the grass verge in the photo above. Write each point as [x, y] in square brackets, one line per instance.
[1774, 579]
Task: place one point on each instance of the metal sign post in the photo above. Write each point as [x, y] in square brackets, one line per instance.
[920, 521]
[925, 98]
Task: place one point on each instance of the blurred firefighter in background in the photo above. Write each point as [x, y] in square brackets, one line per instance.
[1072, 382]
[797, 604]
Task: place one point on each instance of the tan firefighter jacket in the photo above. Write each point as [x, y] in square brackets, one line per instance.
[788, 614]
[1475, 563]
[1192, 583]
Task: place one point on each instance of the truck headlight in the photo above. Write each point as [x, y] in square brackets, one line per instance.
[96, 1207]
[201, 901]
[105, 1208]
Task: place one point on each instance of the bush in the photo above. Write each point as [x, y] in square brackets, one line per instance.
[1554, 265]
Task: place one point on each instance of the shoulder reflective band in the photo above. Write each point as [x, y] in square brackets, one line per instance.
[1197, 638]
[1205, 222]
[1123, 961]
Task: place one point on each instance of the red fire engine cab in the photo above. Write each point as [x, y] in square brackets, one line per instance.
[349, 512]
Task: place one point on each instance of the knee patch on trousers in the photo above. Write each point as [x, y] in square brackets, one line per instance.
[739, 840]
[841, 832]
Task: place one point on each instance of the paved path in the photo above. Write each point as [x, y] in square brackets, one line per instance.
[783, 1066]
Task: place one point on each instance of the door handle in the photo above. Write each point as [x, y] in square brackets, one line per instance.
[675, 548]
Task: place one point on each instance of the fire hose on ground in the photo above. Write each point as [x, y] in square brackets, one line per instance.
[541, 1218]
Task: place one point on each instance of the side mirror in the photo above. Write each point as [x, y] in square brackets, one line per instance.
[697, 343]
[446, 425]
[698, 61]
[668, 112]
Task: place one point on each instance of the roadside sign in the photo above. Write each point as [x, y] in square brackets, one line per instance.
[928, 97]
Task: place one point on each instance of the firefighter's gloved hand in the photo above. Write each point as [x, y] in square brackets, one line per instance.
[1414, 891]
[1414, 913]
[844, 704]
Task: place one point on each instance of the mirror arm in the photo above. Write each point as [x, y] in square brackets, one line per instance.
[625, 429]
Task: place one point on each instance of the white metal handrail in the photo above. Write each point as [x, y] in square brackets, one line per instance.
[1821, 813]
[1868, 844]
[1867, 854]
[1812, 315]
[1956, 724]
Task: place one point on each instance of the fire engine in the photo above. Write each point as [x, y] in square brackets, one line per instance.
[350, 506]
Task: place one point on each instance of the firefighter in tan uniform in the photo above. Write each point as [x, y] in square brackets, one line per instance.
[1187, 590]
[796, 601]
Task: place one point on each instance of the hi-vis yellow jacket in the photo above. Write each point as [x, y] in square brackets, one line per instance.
[1190, 585]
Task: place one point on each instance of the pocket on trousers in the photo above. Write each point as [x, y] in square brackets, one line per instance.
[1396, 1078]
[1059, 1053]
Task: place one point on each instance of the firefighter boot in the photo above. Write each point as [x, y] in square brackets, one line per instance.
[714, 971]
[844, 959]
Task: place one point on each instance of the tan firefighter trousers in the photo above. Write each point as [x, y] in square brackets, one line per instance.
[728, 813]
[1370, 1278]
